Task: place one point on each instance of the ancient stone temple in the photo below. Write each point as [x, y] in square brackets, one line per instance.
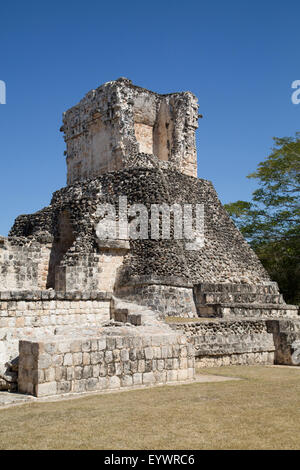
[84, 310]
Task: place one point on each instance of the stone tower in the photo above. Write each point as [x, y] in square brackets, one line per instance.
[119, 120]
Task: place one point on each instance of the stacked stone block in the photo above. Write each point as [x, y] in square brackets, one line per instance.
[229, 300]
[169, 296]
[34, 314]
[78, 274]
[61, 365]
[23, 265]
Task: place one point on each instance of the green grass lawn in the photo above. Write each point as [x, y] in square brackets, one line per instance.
[260, 412]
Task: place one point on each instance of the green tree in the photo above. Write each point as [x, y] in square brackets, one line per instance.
[270, 222]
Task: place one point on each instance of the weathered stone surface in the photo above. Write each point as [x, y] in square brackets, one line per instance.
[119, 120]
[225, 342]
[286, 334]
[109, 370]
[88, 312]
[46, 389]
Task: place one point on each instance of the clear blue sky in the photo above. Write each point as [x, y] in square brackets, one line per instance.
[238, 56]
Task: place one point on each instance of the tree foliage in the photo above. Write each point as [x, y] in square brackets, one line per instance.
[270, 222]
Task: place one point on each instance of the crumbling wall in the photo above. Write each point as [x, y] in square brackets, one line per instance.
[144, 118]
[23, 266]
[224, 342]
[171, 297]
[63, 241]
[225, 256]
[118, 120]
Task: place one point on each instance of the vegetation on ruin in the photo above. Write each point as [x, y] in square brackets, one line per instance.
[271, 221]
[262, 411]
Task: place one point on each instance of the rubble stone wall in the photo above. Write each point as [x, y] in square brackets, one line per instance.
[237, 359]
[225, 256]
[170, 300]
[104, 363]
[23, 266]
[224, 342]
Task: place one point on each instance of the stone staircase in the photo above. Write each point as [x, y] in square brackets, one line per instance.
[243, 300]
[131, 313]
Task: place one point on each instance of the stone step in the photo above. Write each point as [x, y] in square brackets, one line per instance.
[270, 288]
[241, 297]
[128, 312]
[125, 316]
[248, 310]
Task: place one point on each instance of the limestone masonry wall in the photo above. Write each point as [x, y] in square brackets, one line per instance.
[104, 363]
[23, 266]
[223, 342]
[34, 314]
[170, 300]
